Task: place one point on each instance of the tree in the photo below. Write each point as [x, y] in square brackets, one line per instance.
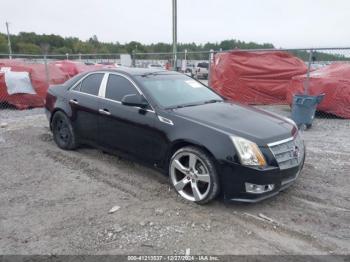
[82, 48]
[94, 41]
[133, 45]
[31, 43]
[3, 44]
[28, 48]
[62, 50]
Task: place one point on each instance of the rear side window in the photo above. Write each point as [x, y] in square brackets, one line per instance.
[118, 87]
[91, 84]
[203, 65]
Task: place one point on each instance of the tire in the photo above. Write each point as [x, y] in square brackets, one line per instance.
[63, 133]
[193, 175]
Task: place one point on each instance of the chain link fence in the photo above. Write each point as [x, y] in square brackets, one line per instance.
[323, 70]
[25, 78]
[268, 78]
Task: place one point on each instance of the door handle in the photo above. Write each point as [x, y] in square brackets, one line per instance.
[104, 112]
[74, 101]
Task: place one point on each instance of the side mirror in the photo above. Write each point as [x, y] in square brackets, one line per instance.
[134, 100]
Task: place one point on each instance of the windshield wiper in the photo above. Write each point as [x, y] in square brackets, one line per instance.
[212, 101]
[182, 106]
[196, 104]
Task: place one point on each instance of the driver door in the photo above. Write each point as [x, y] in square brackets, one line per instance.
[125, 128]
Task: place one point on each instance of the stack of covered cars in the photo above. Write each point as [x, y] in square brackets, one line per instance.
[24, 84]
[333, 81]
[253, 77]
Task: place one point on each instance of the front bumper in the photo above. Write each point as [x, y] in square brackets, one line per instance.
[202, 75]
[234, 177]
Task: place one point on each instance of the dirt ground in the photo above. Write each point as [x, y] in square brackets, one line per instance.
[57, 202]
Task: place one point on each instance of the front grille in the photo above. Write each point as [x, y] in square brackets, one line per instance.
[288, 153]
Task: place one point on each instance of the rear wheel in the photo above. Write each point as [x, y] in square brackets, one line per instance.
[192, 173]
[63, 133]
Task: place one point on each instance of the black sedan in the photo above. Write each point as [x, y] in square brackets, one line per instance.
[204, 143]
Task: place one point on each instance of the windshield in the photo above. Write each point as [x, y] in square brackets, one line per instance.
[172, 91]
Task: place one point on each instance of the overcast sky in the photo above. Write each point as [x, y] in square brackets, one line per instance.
[285, 23]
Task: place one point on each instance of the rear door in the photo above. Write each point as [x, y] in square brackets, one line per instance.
[126, 128]
[83, 100]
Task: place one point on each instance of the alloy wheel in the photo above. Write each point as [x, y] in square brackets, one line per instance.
[190, 176]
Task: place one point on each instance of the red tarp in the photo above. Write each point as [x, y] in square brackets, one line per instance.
[59, 72]
[73, 68]
[37, 76]
[255, 77]
[333, 81]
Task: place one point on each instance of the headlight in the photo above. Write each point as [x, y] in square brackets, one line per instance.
[248, 152]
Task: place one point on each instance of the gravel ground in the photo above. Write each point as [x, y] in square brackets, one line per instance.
[57, 202]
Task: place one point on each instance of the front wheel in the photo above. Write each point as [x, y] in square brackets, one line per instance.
[193, 175]
[63, 133]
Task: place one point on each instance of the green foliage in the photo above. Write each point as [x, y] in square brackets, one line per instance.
[320, 56]
[32, 43]
[28, 48]
[82, 48]
[62, 50]
[3, 44]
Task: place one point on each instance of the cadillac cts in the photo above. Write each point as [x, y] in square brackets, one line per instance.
[204, 143]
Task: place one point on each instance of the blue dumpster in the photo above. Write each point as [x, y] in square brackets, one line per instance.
[304, 108]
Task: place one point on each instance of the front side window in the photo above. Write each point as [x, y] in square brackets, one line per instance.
[177, 90]
[118, 87]
[91, 84]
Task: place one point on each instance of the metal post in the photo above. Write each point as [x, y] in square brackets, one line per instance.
[45, 49]
[67, 56]
[9, 40]
[211, 58]
[174, 34]
[133, 58]
[47, 70]
[306, 91]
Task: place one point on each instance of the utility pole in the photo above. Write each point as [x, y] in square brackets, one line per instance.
[174, 34]
[9, 40]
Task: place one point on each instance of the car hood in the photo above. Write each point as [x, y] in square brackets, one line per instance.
[248, 122]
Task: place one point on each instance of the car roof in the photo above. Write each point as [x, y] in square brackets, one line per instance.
[133, 71]
[129, 71]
